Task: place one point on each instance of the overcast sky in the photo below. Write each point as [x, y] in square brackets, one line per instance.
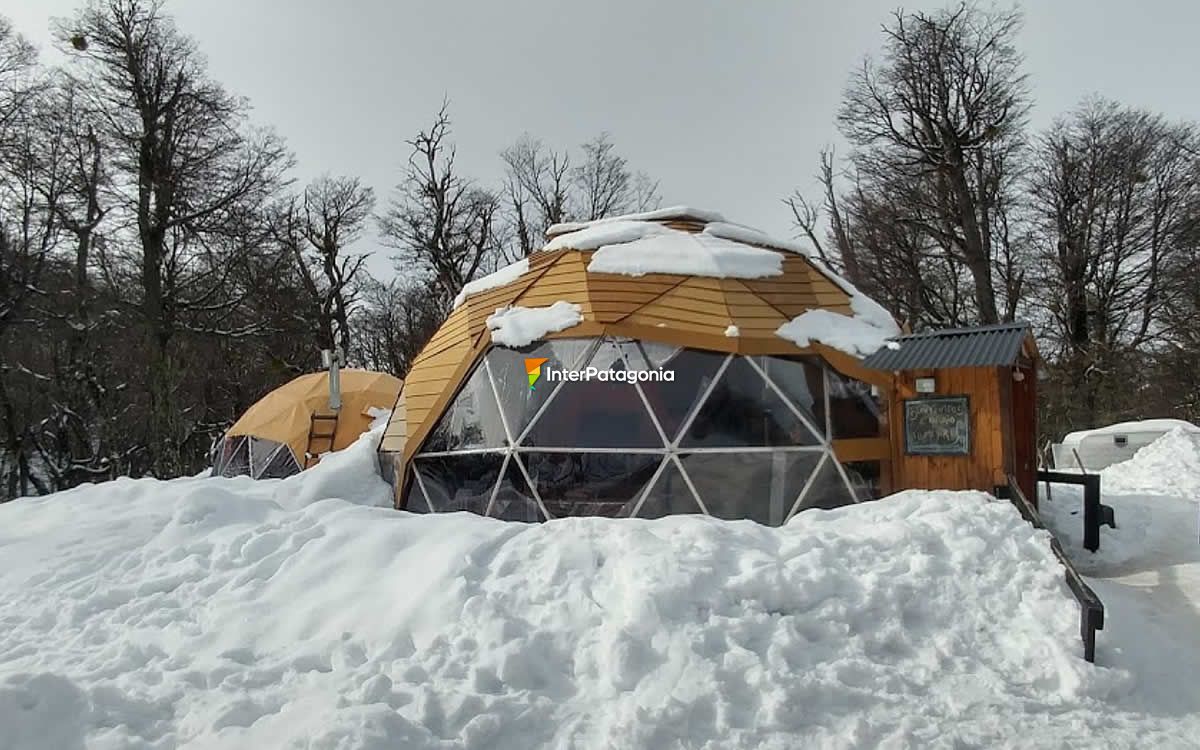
[726, 104]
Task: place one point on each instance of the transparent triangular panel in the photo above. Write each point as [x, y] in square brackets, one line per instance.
[234, 457]
[690, 372]
[600, 412]
[413, 498]
[614, 353]
[608, 356]
[855, 409]
[513, 500]
[669, 496]
[472, 420]
[635, 357]
[743, 411]
[865, 478]
[761, 486]
[658, 354]
[282, 464]
[520, 399]
[462, 482]
[262, 452]
[828, 489]
[802, 380]
[589, 484]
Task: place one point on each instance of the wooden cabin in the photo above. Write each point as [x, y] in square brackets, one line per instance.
[963, 408]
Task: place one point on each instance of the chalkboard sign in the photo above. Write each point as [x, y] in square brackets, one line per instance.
[937, 426]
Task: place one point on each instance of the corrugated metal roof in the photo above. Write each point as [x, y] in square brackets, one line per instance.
[982, 346]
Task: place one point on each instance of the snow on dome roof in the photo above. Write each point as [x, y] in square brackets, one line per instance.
[670, 213]
[676, 240]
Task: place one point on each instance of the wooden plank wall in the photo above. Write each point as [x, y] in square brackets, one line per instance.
[986, 465]
[1025, 425]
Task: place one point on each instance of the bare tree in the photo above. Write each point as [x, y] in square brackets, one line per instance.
[440, 222]
[335, 211]
[1117, 193]
[17, 67]
[542, 188]
[807, 216]
[394, 322]
[537, 190]
[192, 170]
[27, 220]
[946, 99]
[606, 186]
[30, 188]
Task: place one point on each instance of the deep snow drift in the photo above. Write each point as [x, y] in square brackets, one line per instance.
[231, 613]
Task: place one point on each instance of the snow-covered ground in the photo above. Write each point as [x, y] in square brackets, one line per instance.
[205, 613]
[1147, 570]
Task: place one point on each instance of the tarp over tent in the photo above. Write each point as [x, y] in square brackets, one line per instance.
[271, 438]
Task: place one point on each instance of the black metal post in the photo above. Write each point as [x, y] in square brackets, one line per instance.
[1094, 514]
[1091, 512]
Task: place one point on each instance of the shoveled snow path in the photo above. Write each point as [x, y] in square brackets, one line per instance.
[1147, 571]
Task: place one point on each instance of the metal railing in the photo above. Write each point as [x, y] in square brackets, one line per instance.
[1091, 609]
[1095, 513]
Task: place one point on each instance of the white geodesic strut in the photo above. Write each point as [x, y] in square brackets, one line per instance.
[514, 446]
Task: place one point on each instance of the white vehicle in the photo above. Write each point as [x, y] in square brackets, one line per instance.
[1099, 448]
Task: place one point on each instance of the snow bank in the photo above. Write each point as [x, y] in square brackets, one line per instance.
[207, 613]
[1147, 573]
[1097, 448]
[1154, 496]
[520, 326]
[379, 417]
[506, 275]
[1168, 466]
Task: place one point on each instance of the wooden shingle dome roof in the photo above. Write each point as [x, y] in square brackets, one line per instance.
[676, 276]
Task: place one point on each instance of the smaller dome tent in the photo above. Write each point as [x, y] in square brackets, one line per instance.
[647, 365]
[272, 438]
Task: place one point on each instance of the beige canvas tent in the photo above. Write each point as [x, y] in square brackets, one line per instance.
[287, 430]
[483, 424]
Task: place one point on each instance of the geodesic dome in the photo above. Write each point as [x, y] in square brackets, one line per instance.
[750, 423]
[270, 440]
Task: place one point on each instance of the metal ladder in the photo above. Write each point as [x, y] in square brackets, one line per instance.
[328, 428]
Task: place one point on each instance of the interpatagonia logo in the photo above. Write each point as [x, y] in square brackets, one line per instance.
[605, 375]
[533, 368]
